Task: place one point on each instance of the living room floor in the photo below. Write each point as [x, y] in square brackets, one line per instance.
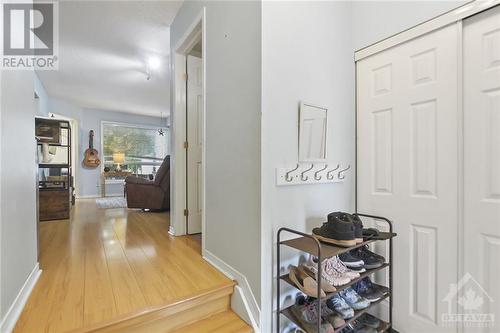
[105, 264]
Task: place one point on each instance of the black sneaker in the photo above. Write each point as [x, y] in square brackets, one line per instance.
[366, 289]
[351, 261]
[373, 254]
[358, 228]
[339, 230]
[370, 259]
[369, 320]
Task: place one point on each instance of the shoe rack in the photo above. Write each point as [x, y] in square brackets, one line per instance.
[309, 244]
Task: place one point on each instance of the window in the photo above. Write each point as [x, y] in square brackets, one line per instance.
[134, 148]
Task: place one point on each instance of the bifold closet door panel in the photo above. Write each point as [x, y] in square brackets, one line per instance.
[407, 168]
[482, 161]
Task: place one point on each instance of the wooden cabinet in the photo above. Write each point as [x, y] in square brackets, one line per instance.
[54, 204]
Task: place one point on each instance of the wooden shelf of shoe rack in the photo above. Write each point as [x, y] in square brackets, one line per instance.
[307, 243]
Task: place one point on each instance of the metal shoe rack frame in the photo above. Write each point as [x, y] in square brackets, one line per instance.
[309, 244]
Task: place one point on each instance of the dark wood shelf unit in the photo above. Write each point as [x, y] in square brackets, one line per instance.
[53, 165]
[55, 145]
[309, 244]
[55, 197]
[383, 327]
[369, 272]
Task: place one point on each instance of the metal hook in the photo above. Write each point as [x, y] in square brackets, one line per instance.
[316, 173]
[287, 175]
[340, 175]
[329, 175]
[303, 172]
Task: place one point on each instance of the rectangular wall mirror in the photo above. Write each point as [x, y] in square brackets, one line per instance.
[313, 124]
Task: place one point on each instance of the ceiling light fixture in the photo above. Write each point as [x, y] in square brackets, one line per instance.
[152, 64]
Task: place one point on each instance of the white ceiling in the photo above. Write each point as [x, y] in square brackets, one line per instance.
[103, 50]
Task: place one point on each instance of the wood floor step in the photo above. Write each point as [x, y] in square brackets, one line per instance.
[170, 317]
[224, 322]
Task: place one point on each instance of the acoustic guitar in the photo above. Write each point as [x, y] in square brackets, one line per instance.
[91, 158]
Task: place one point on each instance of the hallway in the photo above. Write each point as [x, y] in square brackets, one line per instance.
[110, 264]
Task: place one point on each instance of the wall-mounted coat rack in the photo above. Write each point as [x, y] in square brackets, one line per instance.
[311, 173]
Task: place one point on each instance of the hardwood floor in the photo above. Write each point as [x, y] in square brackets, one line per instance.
[108, 263]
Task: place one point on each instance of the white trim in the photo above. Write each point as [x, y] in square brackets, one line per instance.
[450, 17]
[171, 230]
[9, 321]
[460, 162]
[91, 196]
[246, 306]
[178, 193]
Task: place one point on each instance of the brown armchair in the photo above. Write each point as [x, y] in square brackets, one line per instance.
[150, 194]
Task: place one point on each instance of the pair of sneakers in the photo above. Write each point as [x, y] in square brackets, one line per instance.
[364, 324]
[362, 257]
[333, 271]
[346, 302]
[372, 292]
[306, 312]
[342, 229]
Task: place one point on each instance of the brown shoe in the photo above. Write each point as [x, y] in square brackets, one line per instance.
[327, 287]
[305, 282]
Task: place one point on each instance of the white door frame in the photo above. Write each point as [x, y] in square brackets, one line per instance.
[178, 132]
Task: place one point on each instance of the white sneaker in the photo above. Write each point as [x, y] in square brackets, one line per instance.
[328, 272]
[342, 268]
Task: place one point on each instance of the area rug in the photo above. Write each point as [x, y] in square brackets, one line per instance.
[113, 202]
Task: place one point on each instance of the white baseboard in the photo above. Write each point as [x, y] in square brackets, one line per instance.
[115, 195]
[243, 301]
[9, 321]
[171, 230]
[88, 196]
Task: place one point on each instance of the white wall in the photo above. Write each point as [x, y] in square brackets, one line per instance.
[233, 79]
[373, 21]
[42, 103]
[307, 56]
[18, 184]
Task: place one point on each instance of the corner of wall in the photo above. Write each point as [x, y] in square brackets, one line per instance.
[243, 301]
[8, 322]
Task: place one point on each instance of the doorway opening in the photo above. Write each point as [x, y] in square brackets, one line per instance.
[188, 133]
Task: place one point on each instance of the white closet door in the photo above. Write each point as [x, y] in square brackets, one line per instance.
[482, 163]
[195, 143]
[407, 168]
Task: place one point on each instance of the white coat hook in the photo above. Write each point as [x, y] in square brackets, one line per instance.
[317, 172]
[329, 175]
[287, 175]
[305, 178]
[341, 175]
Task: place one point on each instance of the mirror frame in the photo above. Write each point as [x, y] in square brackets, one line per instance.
[301, 119]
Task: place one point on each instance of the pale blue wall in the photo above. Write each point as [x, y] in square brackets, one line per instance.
[88, 180]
